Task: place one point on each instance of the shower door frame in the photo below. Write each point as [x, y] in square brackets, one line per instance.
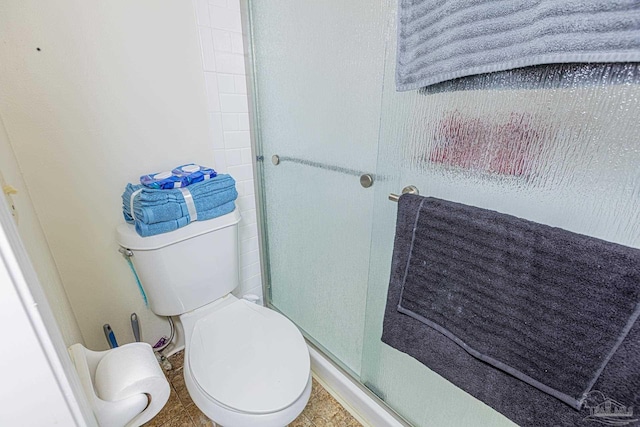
[258, 164]
[263, 239]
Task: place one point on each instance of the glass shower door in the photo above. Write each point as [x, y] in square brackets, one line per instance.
[552, 144]
[555, 145]
[317, 81]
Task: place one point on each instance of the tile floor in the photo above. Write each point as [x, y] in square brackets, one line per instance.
[180, 411]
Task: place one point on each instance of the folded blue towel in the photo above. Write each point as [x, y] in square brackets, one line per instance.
[152, 206]
[145, 230]
[158, 211]
[173, 210]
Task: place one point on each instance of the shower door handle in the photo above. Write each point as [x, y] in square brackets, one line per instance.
[409, 189]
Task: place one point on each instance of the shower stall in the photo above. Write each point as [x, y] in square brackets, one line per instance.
[555, 144]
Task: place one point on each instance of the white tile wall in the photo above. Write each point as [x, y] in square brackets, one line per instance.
[223, 61]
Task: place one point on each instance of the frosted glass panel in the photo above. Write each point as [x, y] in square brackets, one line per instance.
[553, 144]
[319, 69]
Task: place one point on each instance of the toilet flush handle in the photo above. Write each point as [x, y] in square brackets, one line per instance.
[127, 253]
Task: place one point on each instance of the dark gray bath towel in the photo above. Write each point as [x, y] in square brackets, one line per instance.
[534, 320]
[440, 40]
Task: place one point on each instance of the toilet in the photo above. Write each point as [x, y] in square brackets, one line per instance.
[245, 365]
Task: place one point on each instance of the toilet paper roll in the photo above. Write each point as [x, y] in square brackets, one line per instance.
[130, 370]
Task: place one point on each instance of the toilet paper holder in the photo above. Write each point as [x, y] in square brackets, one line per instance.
[131, 411]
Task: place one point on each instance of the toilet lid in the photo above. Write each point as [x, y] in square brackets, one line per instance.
[249, 358]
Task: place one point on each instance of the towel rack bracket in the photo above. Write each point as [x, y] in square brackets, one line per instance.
[409, 189]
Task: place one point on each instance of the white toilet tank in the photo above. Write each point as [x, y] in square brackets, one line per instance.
[186, 268]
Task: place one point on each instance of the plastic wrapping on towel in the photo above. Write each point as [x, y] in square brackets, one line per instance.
[180, 177]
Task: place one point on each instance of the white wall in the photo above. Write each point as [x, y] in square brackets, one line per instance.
[223, 59]
[35, 243]
[92, 95]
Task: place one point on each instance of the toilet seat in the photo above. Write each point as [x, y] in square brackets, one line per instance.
[248, 358]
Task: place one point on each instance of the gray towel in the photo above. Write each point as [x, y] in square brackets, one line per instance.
[440, 40]
[521, 315]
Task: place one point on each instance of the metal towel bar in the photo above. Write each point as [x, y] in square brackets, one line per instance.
[366, 179]
[277, 159]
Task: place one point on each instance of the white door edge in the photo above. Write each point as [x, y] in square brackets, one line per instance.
[20, 281]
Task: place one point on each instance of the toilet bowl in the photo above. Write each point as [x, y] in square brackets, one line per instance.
[254, 373]
[245, 365]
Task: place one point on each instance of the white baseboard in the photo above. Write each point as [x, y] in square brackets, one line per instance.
[351, 395]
